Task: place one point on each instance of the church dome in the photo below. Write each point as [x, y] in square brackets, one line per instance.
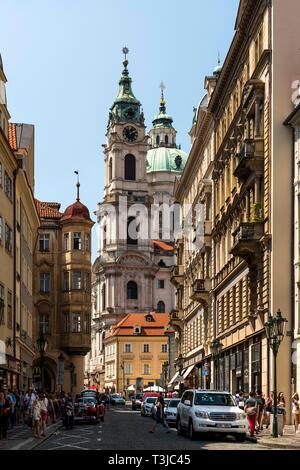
[76, 211]
[166, 159]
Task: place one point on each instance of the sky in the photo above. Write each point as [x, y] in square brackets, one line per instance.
[63, 61]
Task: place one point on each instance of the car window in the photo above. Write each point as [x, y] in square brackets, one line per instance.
[184, 397]
[173, 403]
[214, 399]
[151, 400]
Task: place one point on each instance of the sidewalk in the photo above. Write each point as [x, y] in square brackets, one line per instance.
[20, 437]
[289, 440]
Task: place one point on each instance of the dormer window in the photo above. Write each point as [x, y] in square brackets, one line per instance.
[149, 318]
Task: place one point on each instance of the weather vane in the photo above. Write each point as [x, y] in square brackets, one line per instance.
[125, 51]
[78, 184]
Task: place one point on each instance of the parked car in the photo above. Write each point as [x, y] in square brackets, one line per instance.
[117, 400]
[137, 401]
[89, 392]
[171, 411]
[210, 412]
[148, 406]
[86, 409]
[167, 401]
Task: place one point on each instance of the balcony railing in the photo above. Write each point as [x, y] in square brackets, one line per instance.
[201, 289]
[246, 239]
[250, 159]
[177, 274]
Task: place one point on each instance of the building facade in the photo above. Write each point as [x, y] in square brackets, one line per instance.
[135, 350]
[251, 200]
[62, 294]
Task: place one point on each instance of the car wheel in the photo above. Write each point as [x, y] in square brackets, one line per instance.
[240, 437]
[179, 428]
[192, 434]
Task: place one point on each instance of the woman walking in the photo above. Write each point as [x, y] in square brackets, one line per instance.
[36, 418]
[281, 408]
[296, 411]
[160, 415]
[43, 400]
[4, 415]
[251, 412]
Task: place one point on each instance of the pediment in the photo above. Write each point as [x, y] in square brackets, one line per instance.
[134, 260]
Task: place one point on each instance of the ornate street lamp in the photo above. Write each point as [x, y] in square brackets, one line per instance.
[216, 347]
[275, 330]
[165, 368]
[41, 342]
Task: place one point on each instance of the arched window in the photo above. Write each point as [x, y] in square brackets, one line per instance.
[110, 170]
[166, 139]
[161, 308]
[131, 231]
[132, 290]
[157, 139]
[44, 324]
[103, 294]
[130, 167]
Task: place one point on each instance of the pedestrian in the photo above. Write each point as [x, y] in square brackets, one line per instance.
[240, 400]
[36, 417]
[22, 407]
[51, 411]
[296, 411]
[260, 410]
[269, 408]
[101, 411]
[281, 408]
[160, 414]
[43, 400]
[251, 412]
[12, 400]
[4, 415]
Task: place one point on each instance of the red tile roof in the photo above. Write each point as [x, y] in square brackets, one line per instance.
[162, 245]
[48, 210]
[154, 328]
[12, 136]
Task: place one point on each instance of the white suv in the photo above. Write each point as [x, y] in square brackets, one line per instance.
[210, 411]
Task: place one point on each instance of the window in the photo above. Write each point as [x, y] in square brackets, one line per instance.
[77, 241]
[76, 323]
[87, 243]
[157, 140]
[7, 185]
[103, 294]
[128, 369]
[66, 241]
[146, 348]
[8, 238]
[2, 304]
[66, 281]
[127, 348]
[130, 167]
[131, 231]
[146, 369]
[65, 322]
[76, 280]
[9, 309]
[164, 348]
[110, 170]
[1, 229]
[132, 290]
[44, 324]
[166, 139]
[44, 282]
[161, 308]
[161, 283]
[86, 324]
[44, 242]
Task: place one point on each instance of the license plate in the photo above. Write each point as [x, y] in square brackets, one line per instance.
[223, 425]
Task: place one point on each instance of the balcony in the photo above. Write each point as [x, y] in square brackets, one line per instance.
[250, 159]
[246, 240]
[76, 343]
[177, 274]
[200, 290]
[176, 319]
[146, 356]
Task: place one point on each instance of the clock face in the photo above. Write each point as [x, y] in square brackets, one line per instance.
[130, 133]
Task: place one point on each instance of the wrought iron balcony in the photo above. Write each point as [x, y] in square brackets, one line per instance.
[250, 159]
[200, 290]
[246, 239]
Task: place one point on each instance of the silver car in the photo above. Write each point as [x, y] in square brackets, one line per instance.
[171, 411]
[148, 406]
[209, 411]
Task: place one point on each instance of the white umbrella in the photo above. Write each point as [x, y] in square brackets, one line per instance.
[131, 388]
[154, 388]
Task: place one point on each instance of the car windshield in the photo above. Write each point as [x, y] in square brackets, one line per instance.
[151, 400]
[86, 401]
[139, 396]
[173, 403]
[214, 399]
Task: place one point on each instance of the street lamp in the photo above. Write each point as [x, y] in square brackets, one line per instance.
[179, 365]
[215, 348]
[275, 330]
[165, 368]
[41, 342]
[123, 371]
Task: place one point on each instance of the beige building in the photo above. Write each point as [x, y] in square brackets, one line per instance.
[252, 219]
[135, 350]
[62, 291]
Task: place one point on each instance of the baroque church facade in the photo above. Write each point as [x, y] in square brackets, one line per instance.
[136, 221]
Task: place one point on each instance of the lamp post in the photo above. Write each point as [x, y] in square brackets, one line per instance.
[215, 347]
[275, 330]
[41, 342]
[165, 368]
[179, 364]
[123, 371]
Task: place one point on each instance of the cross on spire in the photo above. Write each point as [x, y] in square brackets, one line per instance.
[125, 51]
[162, 88]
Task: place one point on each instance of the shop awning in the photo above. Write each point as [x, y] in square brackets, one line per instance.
[187, 371]
[174, 378]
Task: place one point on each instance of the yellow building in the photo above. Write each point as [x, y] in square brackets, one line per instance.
[62, 291]
[135, 351]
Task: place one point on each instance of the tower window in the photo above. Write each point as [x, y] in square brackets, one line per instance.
[110, 169]
[131, 231]
[77, 241]
[161, 308]
[157, 139]
[103, 292]
[132, 290]
[130, 167]
[166, 139]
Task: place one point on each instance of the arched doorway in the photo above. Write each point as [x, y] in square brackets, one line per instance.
[50, 368]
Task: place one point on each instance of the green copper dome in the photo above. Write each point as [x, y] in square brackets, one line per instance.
[162, 119]
[166, 159]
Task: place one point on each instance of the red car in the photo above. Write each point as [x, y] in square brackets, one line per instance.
[87, 409]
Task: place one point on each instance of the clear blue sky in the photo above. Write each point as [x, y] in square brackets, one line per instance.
[63, 61]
